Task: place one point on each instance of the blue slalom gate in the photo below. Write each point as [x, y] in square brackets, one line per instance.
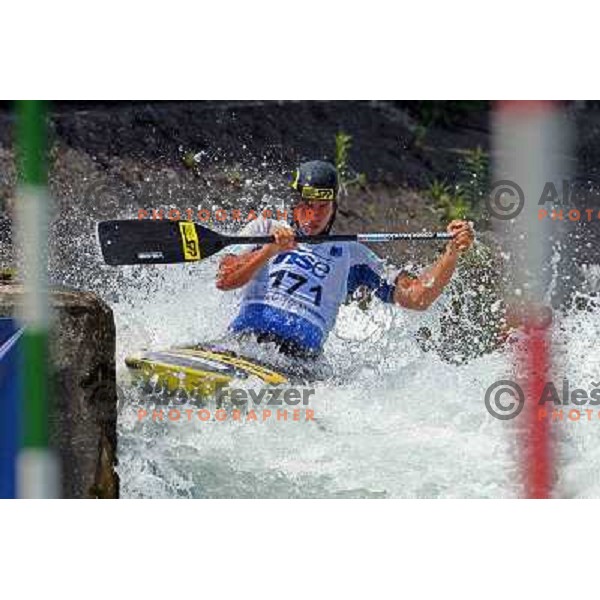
[9, 405]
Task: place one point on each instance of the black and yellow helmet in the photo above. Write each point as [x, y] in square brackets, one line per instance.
[316, 180]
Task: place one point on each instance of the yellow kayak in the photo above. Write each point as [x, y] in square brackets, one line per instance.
[198, 370]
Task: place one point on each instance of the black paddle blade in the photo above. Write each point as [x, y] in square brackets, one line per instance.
[140, 242]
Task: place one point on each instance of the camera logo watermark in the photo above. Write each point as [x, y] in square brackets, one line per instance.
[505, 200]
[504, 400]
[559, 201]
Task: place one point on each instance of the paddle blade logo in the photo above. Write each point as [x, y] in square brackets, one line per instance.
[191, 244]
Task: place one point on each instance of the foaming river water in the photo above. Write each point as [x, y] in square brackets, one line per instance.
[394, 421]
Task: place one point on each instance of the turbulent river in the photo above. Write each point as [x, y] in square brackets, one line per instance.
[394, 421]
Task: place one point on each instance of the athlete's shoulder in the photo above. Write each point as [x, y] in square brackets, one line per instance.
[368, 269]
[361, 254]
[261, 226]
[258, 226]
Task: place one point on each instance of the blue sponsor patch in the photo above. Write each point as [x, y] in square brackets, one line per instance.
[335, 251]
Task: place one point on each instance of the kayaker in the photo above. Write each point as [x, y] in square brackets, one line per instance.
[292, 292]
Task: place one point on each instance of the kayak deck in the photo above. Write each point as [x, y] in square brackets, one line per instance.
[198, 370]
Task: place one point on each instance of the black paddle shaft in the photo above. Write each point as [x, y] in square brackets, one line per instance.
[136, 242]
[301, 239]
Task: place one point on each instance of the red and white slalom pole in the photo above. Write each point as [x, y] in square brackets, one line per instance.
[530, 145]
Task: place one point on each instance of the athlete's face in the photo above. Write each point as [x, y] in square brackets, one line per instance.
[314, 215]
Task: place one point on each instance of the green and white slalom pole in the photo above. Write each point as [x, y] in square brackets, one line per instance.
[37, 467]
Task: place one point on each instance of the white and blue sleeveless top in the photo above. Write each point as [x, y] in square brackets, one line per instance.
[296, 295]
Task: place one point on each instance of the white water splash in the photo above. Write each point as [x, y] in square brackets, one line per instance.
[395, 422]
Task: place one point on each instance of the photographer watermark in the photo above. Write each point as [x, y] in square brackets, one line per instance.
[505, 400]
[234, 404]
[558, 201]
[106, 401]
[204, 415]
[222, 215]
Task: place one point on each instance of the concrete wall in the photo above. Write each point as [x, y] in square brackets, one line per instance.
[84, 400]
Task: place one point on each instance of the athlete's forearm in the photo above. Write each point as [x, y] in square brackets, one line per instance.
[236, 271]
[439, 275]
[419, 294]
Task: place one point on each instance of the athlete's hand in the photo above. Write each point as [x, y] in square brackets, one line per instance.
[284, 240]
[464, 236]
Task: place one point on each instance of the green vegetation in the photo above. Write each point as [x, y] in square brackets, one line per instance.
[188, 159]
[347, 176]
[476, 173]
[449, 201]
[7, 274]
[464, 199]
[444, 112]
